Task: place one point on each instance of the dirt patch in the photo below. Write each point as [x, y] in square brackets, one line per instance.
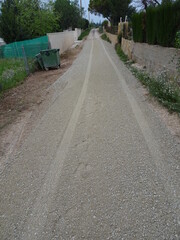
[20, 107]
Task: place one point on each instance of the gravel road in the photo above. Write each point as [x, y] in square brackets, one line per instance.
[100, 163]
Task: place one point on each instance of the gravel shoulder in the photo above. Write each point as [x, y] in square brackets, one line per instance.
[23, 106]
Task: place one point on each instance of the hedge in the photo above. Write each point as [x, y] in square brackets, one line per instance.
[158, 25]
[137, 25]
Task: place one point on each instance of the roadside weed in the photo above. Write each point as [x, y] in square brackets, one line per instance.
[100, 29]
[84, 34]
[12, 72]
[121, 54]
[165, 89]
[105, 38]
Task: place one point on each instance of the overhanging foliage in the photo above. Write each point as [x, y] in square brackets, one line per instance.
[111, 9]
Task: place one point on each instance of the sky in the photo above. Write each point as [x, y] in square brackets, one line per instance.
[93, 18]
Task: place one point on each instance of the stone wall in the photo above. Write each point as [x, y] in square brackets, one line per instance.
[63, 40]
[112, 37]
[127, 47]
[155, 58]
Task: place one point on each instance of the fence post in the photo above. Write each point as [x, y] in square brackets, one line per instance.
[25, 61]
[17, 49]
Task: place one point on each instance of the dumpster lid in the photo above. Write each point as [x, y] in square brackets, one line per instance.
[50, 50]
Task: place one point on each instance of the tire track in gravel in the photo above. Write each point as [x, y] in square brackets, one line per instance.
[171, 189]
[37, 220]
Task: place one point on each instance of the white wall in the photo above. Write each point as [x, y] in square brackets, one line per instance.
[2, 42]
[77, 33]
[63, 40]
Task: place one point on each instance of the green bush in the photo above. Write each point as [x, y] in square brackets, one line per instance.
[177, 40]
[105, 23]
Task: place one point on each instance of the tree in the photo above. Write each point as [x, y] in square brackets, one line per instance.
[144, 4]
[85, 23]
[76, 15]
[17, 24]
[63, 8]
[110, 9]
[8, 20]
[69, 12]
[38, 20]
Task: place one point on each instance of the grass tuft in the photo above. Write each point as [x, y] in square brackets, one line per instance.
[13, 73]
[121, 54]
[84, 34]
[105, 38]
[100, 30]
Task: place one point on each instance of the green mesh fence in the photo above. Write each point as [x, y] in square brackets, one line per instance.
[31, 48]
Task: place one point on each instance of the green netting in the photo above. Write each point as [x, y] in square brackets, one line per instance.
[31, 48]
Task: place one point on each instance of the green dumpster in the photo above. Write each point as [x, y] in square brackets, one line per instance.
[50, 58]
[39, 60]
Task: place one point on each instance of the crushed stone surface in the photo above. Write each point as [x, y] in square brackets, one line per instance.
[99, 163]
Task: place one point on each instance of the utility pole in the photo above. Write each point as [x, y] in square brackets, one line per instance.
[81, 7]
[89, 16]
